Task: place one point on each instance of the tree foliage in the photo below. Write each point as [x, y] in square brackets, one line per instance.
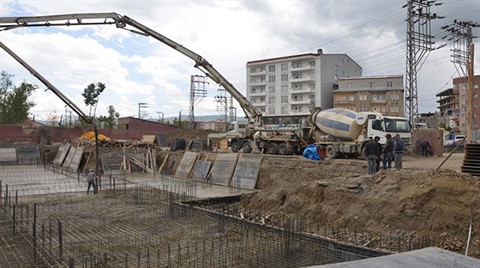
[110, 121]
[91, 94]
[14, 104]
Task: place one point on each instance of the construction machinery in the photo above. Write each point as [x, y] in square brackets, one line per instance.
[343, 133]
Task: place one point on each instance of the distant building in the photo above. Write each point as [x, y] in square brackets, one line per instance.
[219, 126]
[452, 104]
[383, 94]
[285, 89]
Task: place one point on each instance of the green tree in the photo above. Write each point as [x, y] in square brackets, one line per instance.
[14, 104]
[110, 121]
[91, 95]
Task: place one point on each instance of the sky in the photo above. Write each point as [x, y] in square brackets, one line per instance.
[227, 33]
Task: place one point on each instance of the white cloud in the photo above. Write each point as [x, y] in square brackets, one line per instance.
[228, 34]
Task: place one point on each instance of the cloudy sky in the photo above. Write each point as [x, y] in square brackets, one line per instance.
[228, 34]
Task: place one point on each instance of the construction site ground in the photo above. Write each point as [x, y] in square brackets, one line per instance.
[427, 203]
[416, 203]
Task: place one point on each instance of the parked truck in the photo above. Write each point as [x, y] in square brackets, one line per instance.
[343, 133]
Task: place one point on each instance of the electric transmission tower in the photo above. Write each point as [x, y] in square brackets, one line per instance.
[222, 107]
[419, 44]
[197, 93]
[141, 109]
[463, 58]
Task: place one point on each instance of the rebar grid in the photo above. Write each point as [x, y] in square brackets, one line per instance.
[135, 225]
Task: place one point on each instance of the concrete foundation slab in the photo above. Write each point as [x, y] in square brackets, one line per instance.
[422, 258]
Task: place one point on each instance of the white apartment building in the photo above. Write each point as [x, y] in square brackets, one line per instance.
[285, 89]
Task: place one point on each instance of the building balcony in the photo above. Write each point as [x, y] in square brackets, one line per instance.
[302, 89]
[259, 104]
[296, 102]
[298, 79]
[257, 93]
[378, 101]
[257, 73]
[344, 101]
[257, 82]
[304, 67]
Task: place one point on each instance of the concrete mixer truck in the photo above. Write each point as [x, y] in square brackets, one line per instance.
[343, 133]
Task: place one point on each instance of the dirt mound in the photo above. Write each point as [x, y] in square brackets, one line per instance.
[411, 202]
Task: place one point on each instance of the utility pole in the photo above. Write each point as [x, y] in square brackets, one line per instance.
[419, 44]
[197, 93]
[162, 121]
[463, 57]
[180, 119]
[141, 105]
[222, 101]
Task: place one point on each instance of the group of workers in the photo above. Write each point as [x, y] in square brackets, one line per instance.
[392, 152]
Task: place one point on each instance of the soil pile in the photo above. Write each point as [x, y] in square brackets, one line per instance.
[412, 203]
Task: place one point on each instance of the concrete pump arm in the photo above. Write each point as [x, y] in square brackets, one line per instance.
[8, 23]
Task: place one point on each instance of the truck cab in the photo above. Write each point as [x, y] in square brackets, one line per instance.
[380, 126]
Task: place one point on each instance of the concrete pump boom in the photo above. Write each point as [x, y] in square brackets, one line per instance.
[8, 23]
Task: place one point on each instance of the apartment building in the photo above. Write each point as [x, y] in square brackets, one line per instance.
[285, 89]
[383, 94]
[449, 108]
[452, 104]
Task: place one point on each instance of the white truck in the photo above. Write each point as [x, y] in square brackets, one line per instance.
[343, 133]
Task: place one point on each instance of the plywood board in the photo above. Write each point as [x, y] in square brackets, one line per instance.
[246, 171]
[223, 168]
[69, 157]
[8, 155]
[162, 139]
[186, 165]
[27, 153]
[112, 163]
[61, 154]
[200, 171]
[77, 158]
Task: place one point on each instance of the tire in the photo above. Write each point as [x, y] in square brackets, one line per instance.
[272, 148]
[283, 149]
[247, 148]
[330, 151]
[235, 147]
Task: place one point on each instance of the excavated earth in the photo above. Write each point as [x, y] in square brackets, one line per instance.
[416, 202]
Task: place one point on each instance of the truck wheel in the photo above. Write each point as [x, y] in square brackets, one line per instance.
[330, 151]
[247, 148]
[234, 147]
[283, 149]
[272, 148]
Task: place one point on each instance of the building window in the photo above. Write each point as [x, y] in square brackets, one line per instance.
[284, 89]
[271, 89]
[271, 110]
[252, 100]
[271, 100]
[312, 63]
[284, 77]
[284, 99]
[271, 68]
[372, 84]
[390, 84]
[284, 110]
[284, 67]
[312, 97]
[297, 76]
[271, 79]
